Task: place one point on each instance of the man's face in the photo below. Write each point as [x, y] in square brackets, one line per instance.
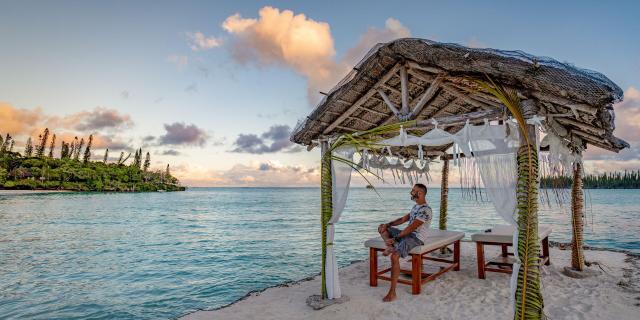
[415, 193]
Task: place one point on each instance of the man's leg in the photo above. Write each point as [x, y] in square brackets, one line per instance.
[384, 233]
[395, 273]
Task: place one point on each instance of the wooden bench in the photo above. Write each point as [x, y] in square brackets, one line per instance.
[503, 236]
[436, 239]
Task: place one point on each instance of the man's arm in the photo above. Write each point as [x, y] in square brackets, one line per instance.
[410, 228]
[399, 221]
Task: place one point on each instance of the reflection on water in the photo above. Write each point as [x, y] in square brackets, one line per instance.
[160, 255]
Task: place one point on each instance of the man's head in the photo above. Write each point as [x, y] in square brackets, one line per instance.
[418, 192]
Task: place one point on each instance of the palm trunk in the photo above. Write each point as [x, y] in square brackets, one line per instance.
[528, 299]
[444, 195]
[326, 197]
[577, 255]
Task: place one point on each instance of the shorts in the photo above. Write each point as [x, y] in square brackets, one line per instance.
[406, 243]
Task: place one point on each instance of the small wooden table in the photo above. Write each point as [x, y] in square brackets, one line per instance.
[436, 239]
[503, 236]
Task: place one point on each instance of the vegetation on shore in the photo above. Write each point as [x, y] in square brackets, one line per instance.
[609, 180]
[37, 168]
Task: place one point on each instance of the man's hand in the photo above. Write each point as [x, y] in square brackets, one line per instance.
[382, 228]
[389, 242]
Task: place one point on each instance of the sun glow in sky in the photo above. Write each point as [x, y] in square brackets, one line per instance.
[214, 88]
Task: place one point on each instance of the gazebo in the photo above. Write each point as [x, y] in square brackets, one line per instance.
[411, 101]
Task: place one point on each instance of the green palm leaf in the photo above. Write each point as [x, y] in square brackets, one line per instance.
[528, 300]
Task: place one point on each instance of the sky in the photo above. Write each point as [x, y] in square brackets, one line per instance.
[214, 88]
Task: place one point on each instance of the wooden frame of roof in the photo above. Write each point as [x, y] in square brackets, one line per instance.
[419, 79]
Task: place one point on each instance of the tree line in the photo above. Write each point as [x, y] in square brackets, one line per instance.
[37, 168]
[628, 179]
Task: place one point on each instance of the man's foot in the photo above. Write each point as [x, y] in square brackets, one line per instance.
[390, 296]
[387, 251]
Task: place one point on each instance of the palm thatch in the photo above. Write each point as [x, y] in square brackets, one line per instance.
[578, 103]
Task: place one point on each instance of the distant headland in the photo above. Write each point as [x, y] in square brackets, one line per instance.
[37, 168]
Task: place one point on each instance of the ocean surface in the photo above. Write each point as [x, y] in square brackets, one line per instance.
[162, 255]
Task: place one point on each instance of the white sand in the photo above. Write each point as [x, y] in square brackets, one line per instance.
[456, 295]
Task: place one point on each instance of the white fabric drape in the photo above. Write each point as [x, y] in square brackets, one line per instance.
[494, 149]
[495, 156]
[341, 176]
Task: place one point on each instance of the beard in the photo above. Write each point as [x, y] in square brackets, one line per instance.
[414, 197]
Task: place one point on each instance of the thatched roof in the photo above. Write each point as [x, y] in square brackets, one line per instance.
[577, 103]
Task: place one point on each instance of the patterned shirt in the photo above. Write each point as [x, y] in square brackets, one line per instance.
[421, 212]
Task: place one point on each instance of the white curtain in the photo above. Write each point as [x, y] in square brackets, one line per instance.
[495, 150]
[341, 175]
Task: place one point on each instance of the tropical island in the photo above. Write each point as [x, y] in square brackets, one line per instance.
[37, 168]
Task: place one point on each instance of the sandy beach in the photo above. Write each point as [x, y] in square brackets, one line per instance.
[613, 294]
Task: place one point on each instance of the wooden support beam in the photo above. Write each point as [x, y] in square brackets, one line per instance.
[362, 99]
[364, 121]
[428, 95]
[404, 79]
[373, 111]
[565, 102]
[392, 89]
[416, 66]
[581, 125]
[389, 104]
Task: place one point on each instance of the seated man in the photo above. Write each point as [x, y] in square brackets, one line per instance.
[400, 242]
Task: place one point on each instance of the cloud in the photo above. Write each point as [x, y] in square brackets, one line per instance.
[293, 40]
[170, 152]
[179, 133]
[627, 127]
[276, 139]
[259, 174]
[125, 94]
[392, 30]
[98, 119]
[181, 61]
[199, 42]
[16, 121]
[473, 42]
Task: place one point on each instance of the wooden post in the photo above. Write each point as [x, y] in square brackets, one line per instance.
[373, 267]
[326, 206]
[577, 255]
[444, 194]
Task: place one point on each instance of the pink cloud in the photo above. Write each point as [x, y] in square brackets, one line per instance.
[293, 40]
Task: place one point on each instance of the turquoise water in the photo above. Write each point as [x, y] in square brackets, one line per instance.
[161, 255]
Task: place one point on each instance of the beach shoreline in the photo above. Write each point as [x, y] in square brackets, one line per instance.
[629, 282]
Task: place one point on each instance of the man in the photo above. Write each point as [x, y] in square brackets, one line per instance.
[400, 242]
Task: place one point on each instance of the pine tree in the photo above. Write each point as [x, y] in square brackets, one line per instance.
[52, 146]
[76, 154]
[87, 151]
[106, 155]
[167, 173]
[11, 146]
[147, 162]
[72, 147]
[28, 148]
[4, 143]
[44, 138]
[64, 150]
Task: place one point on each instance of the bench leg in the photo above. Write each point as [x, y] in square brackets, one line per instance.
[416, 273]
[505, 251]
[545, 250]
[480, 254]
[456, 255]
[373, 267]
